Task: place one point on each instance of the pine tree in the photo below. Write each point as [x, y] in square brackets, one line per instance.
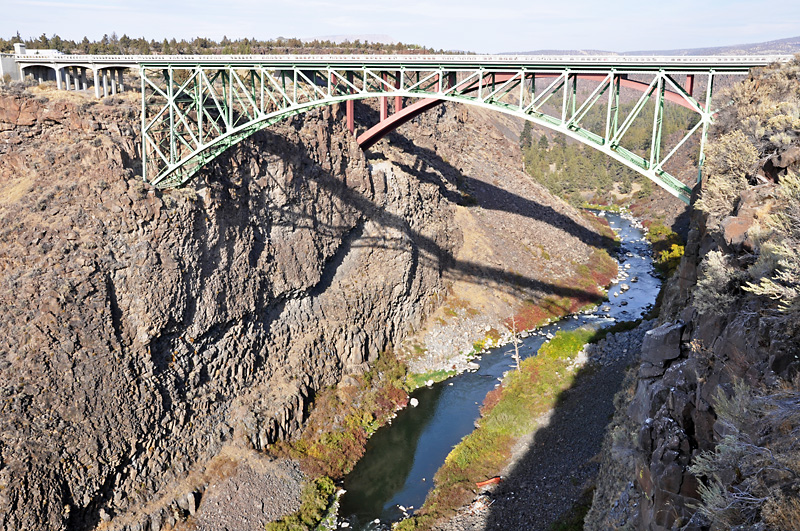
[525, 138]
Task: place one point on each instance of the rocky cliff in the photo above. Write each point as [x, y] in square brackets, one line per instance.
[705, 435]
[145, 330]
[149, 334]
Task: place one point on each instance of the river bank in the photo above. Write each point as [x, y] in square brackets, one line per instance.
[421, 438]
[553, 465]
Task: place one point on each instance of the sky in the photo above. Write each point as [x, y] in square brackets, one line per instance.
[483, 26]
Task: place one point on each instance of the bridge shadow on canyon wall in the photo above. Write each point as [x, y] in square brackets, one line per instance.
[425, 250]
[487, 195]
[492, 197]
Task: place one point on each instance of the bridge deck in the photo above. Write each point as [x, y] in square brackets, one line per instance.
[588, 63]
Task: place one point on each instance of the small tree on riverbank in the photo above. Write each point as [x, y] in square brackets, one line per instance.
[515, 339]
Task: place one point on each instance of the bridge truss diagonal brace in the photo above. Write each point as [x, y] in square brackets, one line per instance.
[193, 112]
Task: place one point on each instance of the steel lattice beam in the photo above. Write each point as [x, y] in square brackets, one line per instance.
[194, 110]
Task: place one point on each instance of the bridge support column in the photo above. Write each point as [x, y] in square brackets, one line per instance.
[351, 125]
[95, 73]
[384, 101]
[398, 100]
[58, 78]
[113, 82]
[76, 76]
[121, 85]
[105, 83]
[690, 84]
[83, 79]
[350, 107]
[384, 108]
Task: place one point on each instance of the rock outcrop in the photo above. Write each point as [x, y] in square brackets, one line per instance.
[144, 330]
[667, 416]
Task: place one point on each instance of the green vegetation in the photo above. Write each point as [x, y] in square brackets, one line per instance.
[668, 248]
[508, 412]
[342, 420]
[415, 381]
[315, 500]
[114, 45]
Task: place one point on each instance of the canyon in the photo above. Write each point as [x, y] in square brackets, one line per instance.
[156, 339]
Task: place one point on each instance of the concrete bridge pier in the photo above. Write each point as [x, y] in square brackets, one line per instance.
[84, 85]
[39, 73]
[96, 74]
[59, 84]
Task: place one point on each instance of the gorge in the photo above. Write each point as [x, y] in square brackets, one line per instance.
[159, 328]
[156, 343]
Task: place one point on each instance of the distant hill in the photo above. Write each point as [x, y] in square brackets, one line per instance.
[778, 47]
[789, 45]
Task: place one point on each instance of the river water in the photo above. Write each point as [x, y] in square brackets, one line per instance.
[396, 472]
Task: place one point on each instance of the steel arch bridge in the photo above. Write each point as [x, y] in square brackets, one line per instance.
[196, 107]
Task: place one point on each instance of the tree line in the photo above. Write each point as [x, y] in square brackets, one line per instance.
[115, 45]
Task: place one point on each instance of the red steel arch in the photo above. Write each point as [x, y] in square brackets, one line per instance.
[372, 135]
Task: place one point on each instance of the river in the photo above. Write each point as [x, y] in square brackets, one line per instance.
[396, 472]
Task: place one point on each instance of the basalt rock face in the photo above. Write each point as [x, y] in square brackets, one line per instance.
[142, 331]
[667, 416]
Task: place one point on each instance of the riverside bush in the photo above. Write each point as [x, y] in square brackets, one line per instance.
[342, 420]
[316, 497]
[667, 247]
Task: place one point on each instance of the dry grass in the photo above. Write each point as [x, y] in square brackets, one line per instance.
[49, 90]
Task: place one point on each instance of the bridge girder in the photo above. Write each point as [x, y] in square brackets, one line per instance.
[192, 113]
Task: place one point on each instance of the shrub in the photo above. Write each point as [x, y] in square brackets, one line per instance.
[667, 261]
[342, 420]
[716, 289]
[766, 108]
[729, 161]
[667, 247]
[783, 283]
[745, 479]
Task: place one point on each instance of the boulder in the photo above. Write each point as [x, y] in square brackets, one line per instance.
[662, 344]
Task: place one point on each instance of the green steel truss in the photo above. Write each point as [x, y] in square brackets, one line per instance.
[192, 112]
